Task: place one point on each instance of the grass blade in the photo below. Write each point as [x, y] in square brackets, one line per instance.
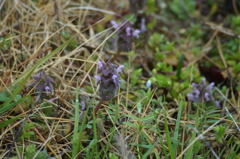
[168, 136]
[175, 137]
[5, 123]
[76, 140]
[51, 54]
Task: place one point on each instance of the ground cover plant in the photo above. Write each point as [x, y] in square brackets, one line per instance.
[119, 79]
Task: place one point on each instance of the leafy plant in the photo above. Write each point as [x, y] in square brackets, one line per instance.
[31, 152]
[109, 80]
[125, 34]
[5, 95]
[203, 93]
[43, 84]
[27, 132]
[183, 9]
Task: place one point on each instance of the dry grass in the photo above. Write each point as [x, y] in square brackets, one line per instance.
[35, 28]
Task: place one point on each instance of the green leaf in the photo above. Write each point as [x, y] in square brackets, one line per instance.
[26, 133]
[147, 126]
[5, 123]
[236, 68]
[141, 145]
[168, 137]
[2, 42]
[162, 81]
[179, 66]
[135, 76]
[43, 155]
[219, 131]
[197, 147]
[30, 151]
[176, 131]
[130, 124]
[9, 106]
[190, 126]
[139, 107]
[5, 95]
[133, 117]
[112, 156]
[76, 140]
[148, 117]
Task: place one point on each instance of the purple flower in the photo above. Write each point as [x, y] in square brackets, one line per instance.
[128, 29]
[136, 33]
[43, 84]
[143, 27]
[109, 79]
[83, 105]
[206, 96]
[53, 99]
[98, 78]
[125, 34]
[119, 69]
[114, 24]
[202, 92]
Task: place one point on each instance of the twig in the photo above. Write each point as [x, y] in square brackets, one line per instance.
[116, 55]
[98, 106]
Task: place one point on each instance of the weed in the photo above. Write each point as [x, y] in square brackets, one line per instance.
[163, 45]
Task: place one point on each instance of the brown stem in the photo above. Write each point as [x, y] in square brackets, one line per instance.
[116, 55]
[98, 106]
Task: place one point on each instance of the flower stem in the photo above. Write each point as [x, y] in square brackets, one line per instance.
[116, 55]
[98, 106]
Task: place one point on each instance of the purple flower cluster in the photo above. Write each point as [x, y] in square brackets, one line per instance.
[202, 92]
[109, 79]
[125, 34]
[43, 84]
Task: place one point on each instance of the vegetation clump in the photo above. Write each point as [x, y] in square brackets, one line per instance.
[121, 83]
[109, 79]
[202, 92]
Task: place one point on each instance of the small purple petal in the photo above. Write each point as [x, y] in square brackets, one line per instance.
[100, 64]
[128, 31]
[143, 26]
[194, 84]
[206, 96]
[48, 89]
[217, 103]
[116, 81]
[211, 85]
[114, 24]
[50, 80]
[197, 92]
[203, 82]
[191, 97]
[119, 69]
[52, 100]
[202, 90]
[83, 105]
[136, 33]
[38, 75]
[98, 78]
[114, 77]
